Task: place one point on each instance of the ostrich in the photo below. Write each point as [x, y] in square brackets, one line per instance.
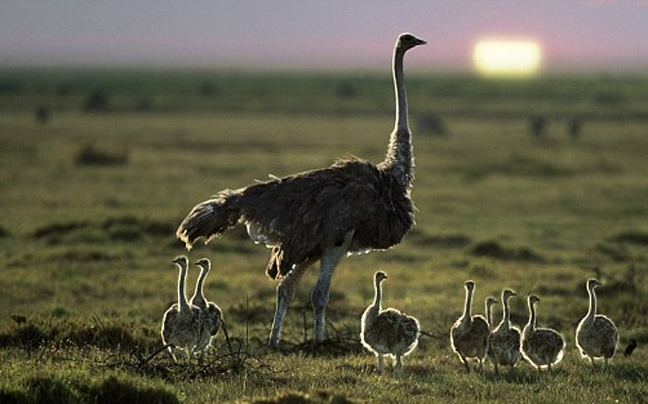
[181, 322]
[388, 332]
[211, 314]
[324, 214]
[504, 342]
[596, 334]
[540, 346]
[469, 334]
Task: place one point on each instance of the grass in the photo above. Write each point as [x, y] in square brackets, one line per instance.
[86, 247]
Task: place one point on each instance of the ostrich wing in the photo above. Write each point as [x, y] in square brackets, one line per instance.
[306, 213]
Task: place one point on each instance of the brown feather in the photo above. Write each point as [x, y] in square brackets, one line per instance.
[306, 213]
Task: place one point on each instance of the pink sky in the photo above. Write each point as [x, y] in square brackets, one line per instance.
[578, 34]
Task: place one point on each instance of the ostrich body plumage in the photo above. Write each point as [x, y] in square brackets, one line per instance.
[469, 334]
[211, 314]
[182, 322]
[504, 342]
[540, 346]
[387, 332]
[596, 334]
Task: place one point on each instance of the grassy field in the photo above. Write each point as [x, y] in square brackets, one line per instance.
[91, 198]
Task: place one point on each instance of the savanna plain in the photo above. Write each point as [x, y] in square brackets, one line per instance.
[535, 185]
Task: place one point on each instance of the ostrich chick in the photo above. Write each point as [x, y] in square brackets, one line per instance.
[181, 324]
[211, 314]
[469, 334]
[388, 332]
[504, 342]
[596, 334]
[541, 346]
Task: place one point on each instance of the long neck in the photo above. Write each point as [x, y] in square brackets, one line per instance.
[377, 296]
[591, 312]
[182, 298]
[401, 123]
[506, 316]
[399, 160]
[532, 317]
[488, 314]
[198, 293]
[468, 303]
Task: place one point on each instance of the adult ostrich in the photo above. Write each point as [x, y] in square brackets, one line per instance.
[351, 206]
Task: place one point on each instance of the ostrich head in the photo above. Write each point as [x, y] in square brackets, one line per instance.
[470, 286]
[407, 41]
[490, 300]
[506, 293]
[380, 276]
[203, 263]
[592, 283]
[533, 299]
[181, 260]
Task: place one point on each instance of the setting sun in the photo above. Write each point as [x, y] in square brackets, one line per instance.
[507, 58]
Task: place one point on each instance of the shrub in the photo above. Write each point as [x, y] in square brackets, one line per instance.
[96, 102]
[90, 155]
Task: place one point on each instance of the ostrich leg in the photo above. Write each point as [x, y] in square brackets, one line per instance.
[285, 293]
[328, 263]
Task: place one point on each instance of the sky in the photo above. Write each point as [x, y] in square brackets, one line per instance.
[604, 35]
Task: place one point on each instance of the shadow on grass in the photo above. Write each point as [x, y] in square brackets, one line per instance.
[319, 397]
[121, 229]
[493, 249]
[52, 390]
[33, 334]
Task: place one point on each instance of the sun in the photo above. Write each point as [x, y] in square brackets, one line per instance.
[507, 58]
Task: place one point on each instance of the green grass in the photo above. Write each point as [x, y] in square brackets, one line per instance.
[86, 246]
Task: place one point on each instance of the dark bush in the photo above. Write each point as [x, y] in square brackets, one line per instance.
[42, 114]
[493, 249]
[96, 102]
[57, 229]
[538, 126]
[90, 155]
[209, 89]
[632, 237]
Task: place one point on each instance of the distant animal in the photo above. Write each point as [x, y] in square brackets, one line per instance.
[388, 332]
[596, 334]
[469, 334]
[540, 346]
[630, 348]
[42, 114]
[182, 323]
[210, 314]
[538, 126]
[320, 215]
[504, 342]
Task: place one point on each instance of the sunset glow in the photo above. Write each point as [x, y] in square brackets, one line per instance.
[506, 58]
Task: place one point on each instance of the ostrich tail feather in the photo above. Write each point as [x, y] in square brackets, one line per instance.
[210, 218]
